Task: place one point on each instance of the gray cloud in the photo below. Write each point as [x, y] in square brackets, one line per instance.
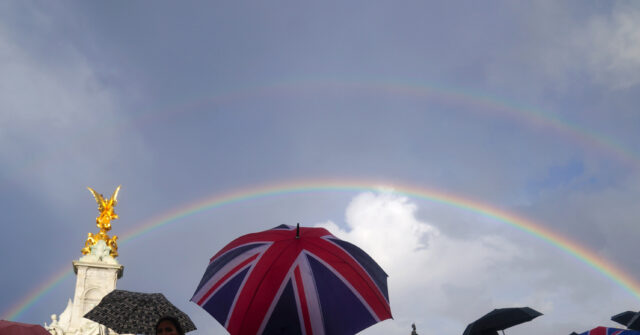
[181, 103]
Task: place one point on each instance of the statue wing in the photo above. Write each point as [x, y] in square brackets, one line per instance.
[99, 199]
[114, 198]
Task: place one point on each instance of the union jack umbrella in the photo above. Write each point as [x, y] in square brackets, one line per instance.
[292, 280]
[610, 331]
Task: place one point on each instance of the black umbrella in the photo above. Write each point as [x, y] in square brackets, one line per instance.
[500, 319]
[135, 312]
[623, 318]
[630, 319]
[635, 322]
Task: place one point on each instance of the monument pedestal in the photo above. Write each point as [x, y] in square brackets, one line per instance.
[94, 281]
[96, 275]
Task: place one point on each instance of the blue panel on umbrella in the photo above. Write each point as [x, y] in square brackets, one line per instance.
[342, 311]
[375, 271]
[221, 261]
[219, 304]
[284, 319]
[282, 226]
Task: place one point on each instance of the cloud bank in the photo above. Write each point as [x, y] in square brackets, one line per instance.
[429, 272]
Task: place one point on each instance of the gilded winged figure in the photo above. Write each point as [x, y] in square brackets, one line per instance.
[103, 221]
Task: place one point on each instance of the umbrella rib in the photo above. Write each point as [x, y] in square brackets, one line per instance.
[368, 282]
[261, 281]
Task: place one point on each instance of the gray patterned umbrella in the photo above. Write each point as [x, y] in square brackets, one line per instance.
[135, 312]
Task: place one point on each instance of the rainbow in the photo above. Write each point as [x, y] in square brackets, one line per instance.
[13, 313]
[482, 103]
[526, 115]
[588, 257]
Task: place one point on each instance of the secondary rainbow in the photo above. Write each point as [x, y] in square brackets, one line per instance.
[588, 139]
[590, 258]
[482, 103]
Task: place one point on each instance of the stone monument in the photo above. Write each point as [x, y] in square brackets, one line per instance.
[97, 272]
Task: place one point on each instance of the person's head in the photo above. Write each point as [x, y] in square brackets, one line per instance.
[168, 326]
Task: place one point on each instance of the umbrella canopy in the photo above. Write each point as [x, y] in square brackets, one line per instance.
[290, 280]
[623, 318]
[18, 328]
[500, 319]
[634, 323]
[610, 331]
[135, 312]
[630, 319]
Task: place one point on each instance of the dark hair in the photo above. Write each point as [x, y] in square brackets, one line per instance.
[173, 320]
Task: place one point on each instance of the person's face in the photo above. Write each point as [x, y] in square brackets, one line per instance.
[166, 327]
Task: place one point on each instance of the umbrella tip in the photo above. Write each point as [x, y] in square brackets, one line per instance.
[298, 230]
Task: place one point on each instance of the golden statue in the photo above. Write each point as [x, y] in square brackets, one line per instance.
[103, 221]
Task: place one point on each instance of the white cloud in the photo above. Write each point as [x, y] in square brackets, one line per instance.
[615, 46]
[567, 44]
[612, 44]
[427, 268]
[442, 282]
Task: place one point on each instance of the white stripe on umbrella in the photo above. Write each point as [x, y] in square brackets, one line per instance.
[308, 281]
[224, 270]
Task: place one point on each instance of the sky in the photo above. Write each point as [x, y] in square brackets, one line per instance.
[430, 134]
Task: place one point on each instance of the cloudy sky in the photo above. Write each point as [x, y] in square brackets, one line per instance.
[530, 109]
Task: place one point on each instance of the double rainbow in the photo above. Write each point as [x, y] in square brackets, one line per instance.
[590, 258]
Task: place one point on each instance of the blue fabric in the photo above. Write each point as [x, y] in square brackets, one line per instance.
[342, 311]
[285, 319]
[220, 303]
[373, 269]
[221, 261]
[610, 331]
